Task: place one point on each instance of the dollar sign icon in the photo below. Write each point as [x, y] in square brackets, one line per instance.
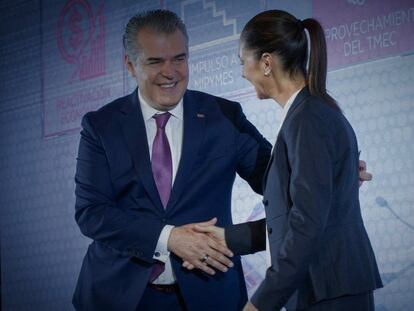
[76, 36]
[75, 28]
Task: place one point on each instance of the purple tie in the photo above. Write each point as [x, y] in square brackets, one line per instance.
[161, 161]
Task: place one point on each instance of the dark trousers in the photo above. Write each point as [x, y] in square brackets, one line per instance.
[158, 300]
[361, 302]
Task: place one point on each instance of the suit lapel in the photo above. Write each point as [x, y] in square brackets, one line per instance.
[302, 95]
[133, 128]
[269, 164]
[193, 134]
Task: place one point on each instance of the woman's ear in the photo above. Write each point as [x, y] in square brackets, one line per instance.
[266, 63]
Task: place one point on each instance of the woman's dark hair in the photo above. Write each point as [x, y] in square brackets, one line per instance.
[281, 33]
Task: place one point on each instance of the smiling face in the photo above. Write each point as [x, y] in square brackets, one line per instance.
[161, 69]
[253, 70]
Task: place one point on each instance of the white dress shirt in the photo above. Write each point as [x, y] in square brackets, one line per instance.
[174, 132]
[284, 114]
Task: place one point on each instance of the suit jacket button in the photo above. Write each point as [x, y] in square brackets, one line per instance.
[269, 230]
[157, 254]
[265, 202]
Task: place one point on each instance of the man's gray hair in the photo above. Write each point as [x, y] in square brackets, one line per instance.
[160, 21]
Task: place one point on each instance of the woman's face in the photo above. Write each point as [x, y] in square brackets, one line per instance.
[253, 71]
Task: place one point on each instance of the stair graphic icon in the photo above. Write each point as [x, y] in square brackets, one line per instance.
[228, 31]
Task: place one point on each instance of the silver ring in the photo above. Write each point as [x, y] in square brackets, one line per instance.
[204, 259]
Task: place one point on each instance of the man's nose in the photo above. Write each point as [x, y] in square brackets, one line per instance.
[167, 70]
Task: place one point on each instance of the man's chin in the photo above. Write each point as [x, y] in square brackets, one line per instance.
[168, 105]
[170, 101]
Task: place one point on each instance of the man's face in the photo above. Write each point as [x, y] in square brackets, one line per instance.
[161, 69]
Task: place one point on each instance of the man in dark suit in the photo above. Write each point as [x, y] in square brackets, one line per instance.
[150, 163]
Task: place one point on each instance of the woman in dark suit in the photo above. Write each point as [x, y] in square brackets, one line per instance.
[321, 256]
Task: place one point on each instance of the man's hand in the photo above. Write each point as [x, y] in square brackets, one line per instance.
[214, 232]
[198, 250]
[249, 307]
[217, 233]
[363, 174]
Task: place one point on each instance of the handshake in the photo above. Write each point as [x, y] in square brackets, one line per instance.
[202, 246]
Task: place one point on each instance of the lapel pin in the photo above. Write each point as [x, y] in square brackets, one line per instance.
[200, 115]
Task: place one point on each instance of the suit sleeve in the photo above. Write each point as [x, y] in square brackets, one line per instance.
[253, 152]
[310, 160]
[96, 211]
[246, 238]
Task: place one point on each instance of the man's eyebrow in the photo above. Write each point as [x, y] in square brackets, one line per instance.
[153, 59]
[180, 55]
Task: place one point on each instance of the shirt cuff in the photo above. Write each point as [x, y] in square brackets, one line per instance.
[161, 252]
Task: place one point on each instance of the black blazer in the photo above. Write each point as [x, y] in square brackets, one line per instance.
[318, 243]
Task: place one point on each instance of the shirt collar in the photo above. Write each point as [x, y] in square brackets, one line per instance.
[290, 101]
[148, 112]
